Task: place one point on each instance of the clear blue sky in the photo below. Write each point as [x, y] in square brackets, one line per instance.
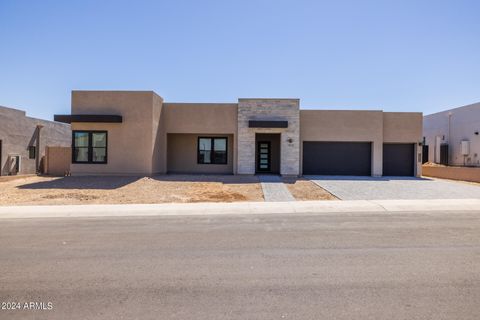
[392, 55]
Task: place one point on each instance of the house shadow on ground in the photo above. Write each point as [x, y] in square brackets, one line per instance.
[115, 182]
[225, 178]
[293, 180]
[83, 182]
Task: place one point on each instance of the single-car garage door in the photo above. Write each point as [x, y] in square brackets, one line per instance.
[337, 158]
[398, 159]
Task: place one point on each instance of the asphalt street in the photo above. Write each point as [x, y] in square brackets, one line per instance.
[339, 266]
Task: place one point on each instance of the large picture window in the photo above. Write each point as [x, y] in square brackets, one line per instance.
[212, 150]
[89, 147]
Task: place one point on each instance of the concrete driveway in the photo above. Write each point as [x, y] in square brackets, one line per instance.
[382, 188]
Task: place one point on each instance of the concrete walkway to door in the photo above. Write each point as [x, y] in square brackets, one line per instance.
[274, 189]
[386, 188]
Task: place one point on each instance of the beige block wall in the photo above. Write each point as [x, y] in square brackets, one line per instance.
[345, 125]
[454, 173]
[131, 143]
[57, 160]
[182, 155]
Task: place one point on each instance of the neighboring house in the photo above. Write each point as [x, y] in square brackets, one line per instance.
[459, 130]
[136, 132]
[23, 141]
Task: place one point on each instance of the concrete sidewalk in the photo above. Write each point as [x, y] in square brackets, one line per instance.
[241, 208]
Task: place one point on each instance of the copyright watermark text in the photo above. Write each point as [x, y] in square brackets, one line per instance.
[26, 305]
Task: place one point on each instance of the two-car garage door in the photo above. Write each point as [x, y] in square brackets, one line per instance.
[355, 158]
[337, 158]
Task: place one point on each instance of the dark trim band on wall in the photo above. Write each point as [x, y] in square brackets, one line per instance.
[267, 124]
[103, 118]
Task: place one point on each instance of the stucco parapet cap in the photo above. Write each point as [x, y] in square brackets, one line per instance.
[153, 93]
[344, 110]
[274, 99]
[202, 103]
[119, 91]
[404, 112]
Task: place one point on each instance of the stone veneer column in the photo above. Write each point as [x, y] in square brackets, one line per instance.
[269, 109]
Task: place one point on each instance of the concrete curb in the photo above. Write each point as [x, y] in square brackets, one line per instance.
[240, 208]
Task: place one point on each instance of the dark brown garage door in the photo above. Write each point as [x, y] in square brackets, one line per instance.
[337, 158]
[398, 159]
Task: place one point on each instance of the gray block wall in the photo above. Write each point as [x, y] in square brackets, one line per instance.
[18, 132]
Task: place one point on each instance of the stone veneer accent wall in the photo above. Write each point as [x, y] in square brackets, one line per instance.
[269, 109]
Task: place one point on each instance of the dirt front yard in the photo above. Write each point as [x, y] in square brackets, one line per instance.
[42, 190]
[303, 189]
[35, 190]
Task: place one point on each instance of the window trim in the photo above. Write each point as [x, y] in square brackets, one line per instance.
[89, 147]
[212, 150]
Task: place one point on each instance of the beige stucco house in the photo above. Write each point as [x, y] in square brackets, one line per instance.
[137, 132]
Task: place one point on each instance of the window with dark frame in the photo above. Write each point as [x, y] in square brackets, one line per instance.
[212, 150]
[31, 152]
[89, 147]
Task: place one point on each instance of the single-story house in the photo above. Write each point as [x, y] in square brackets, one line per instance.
[137, 132]
[23, 141]
[452, 136]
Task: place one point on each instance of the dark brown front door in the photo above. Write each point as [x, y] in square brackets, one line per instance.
[264, 155]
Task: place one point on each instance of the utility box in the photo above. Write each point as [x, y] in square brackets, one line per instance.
[465, 147]
[13, 164]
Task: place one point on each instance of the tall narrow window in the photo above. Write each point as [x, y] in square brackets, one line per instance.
[99, 147]
[205, 150]
[31, 152]
[89, 147]
[80, 150]
[212, 150]
[220, 150]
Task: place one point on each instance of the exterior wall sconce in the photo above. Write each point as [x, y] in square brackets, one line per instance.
[289, 140]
